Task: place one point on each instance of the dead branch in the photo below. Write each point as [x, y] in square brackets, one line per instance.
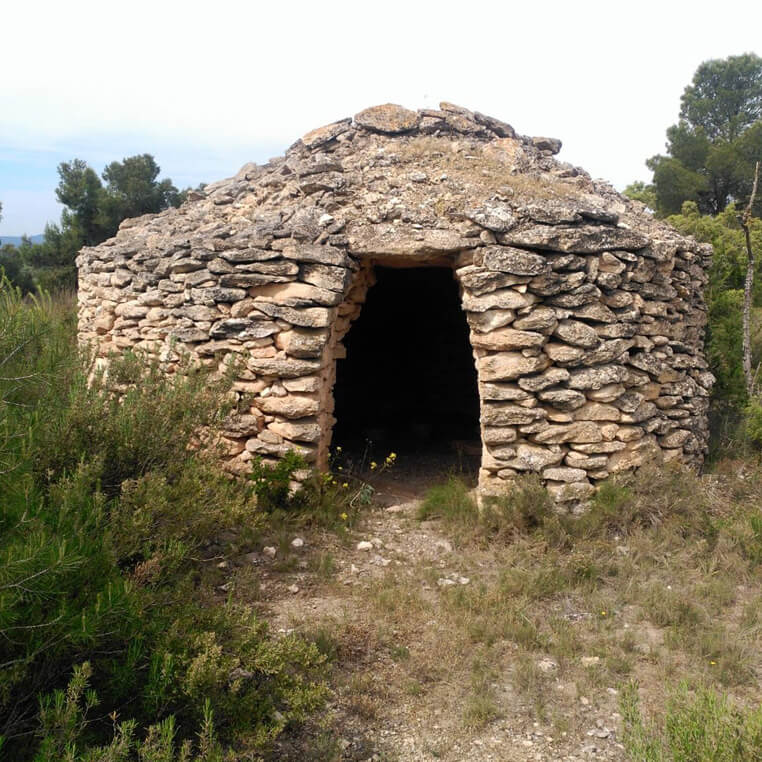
[745, 220]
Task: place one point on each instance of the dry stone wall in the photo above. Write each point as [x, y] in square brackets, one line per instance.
[587, 315]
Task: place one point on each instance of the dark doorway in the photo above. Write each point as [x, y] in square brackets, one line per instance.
[408, 383]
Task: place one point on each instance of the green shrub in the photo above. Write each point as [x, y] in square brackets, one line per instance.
[107, 499]
[525, 508]
[656, 495]
[274, 484]
[63, 732]
[700, 726]
[452, 501]
[753, 422]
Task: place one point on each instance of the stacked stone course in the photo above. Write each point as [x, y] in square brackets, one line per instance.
[587, 315]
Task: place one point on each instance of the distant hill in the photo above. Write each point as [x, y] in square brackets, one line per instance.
[15, 240]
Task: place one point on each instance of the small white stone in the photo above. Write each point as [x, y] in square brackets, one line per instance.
[546, 665]
[463, 580]
[444, 582]
[293, 588]
[353, 569]
[270, 551]
[325, 220]
[590, 661]
[297, 542]
[364, 545]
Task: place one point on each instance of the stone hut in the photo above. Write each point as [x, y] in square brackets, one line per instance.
[520, 303]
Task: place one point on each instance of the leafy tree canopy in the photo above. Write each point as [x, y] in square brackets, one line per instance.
[712, 149]
[94, 207]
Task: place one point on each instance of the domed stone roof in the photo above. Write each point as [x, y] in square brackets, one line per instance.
[586, 314]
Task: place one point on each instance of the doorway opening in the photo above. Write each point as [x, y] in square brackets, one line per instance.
[408, 382]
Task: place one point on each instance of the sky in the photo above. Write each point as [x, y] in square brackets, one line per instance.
[206, 87]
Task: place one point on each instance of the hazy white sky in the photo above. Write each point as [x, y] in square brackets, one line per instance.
[207, 86]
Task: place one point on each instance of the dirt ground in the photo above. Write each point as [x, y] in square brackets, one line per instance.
[452, 638]
[406, 686]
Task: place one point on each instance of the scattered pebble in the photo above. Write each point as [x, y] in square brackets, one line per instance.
[590, 661]
[269, 551]
[364, 545]
[293, 588]
[546, 665]
[297, 542]
[445, 582]
[222, 565]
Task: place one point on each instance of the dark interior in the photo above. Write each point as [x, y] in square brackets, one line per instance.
[408, 383]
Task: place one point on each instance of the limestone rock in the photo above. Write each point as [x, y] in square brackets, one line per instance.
[509, 415]
[582, 432]
[563, 399]
[515, 261]
[531, 458]
[388, 118]
[322, 135]
[504, 299]
[595, 378]
[577, 333]
[578, 239]
[550, 377]
[508, 338]
[565, 474]
[505, 366]
[496, 217]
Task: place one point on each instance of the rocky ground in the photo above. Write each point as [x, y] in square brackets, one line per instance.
[401, 693]
[455, 637]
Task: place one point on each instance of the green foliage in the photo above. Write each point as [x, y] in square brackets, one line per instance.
[725, 296]
[92, 213]
[639, 191]
[453, 501]
[13, 268]
[699, 726]
[526, 508]
[133, 188]
[725, 97]
[753, 422]
[106, 502]
[274, 483]
[657, 495]
[64, 720]
[713, 147]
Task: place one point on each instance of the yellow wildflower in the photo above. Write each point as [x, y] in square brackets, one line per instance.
[345, 485]
[373, 465]
[344, 517]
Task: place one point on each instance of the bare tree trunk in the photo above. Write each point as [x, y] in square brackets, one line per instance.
[745, 220]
